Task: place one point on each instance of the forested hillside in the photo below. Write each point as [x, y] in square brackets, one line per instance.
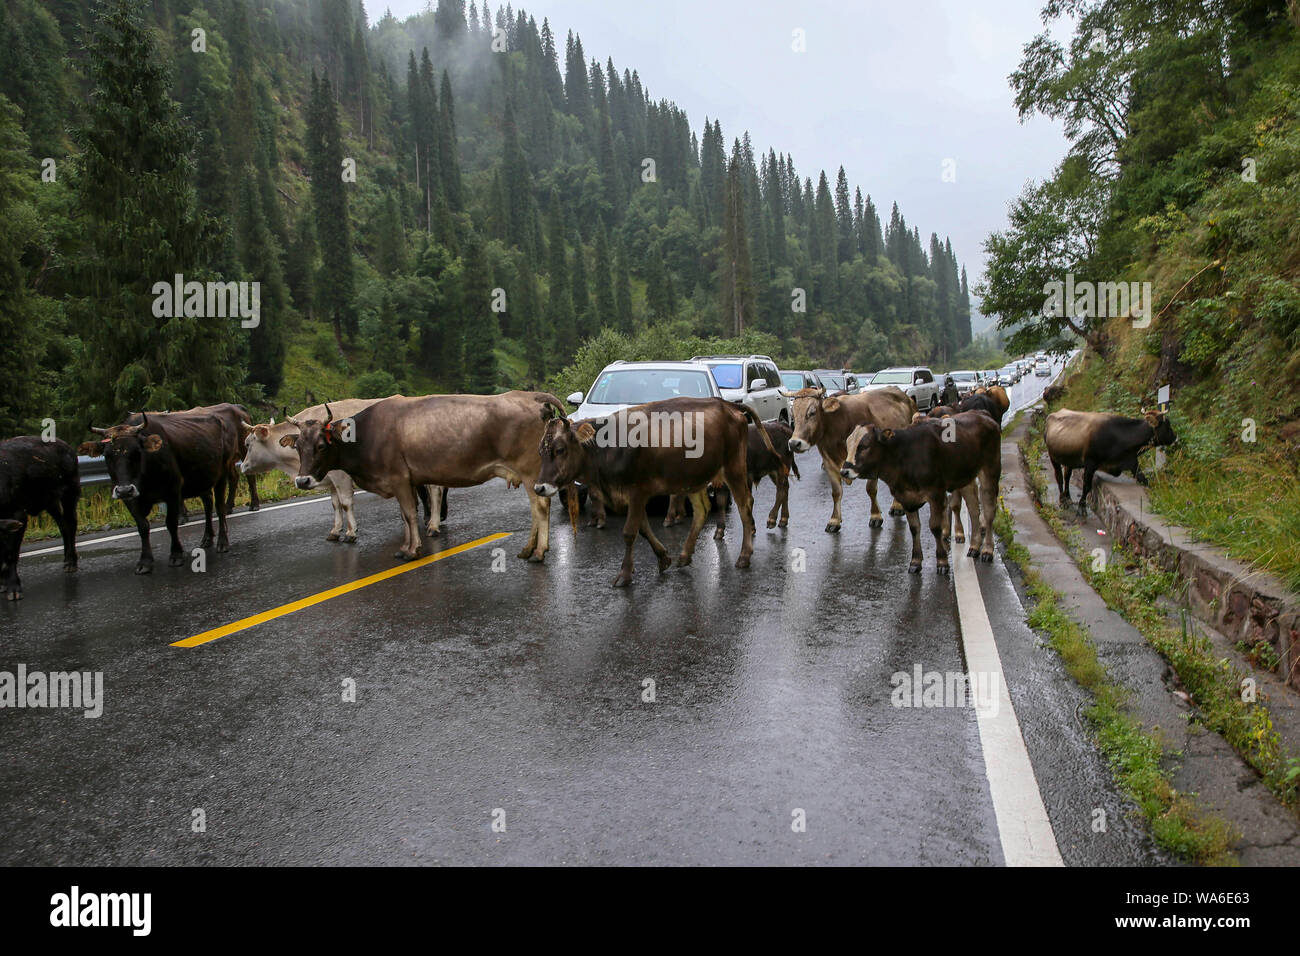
[1184, 172]
[381, 181]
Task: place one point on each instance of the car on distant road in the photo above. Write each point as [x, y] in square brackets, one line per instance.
[839, 380]
[1043, 368]
[751, 380]
[916, 380]
[1008, 375]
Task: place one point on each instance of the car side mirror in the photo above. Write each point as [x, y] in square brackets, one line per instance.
[757, 384]
[575, 398]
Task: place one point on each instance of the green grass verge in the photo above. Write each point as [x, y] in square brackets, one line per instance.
[1135, 757]
[1134, 587]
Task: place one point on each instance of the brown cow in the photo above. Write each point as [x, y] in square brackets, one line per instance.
[760, 463]
[456, 441]
[998, 394]
[1096, 441]
[235, 416]
[925, 463]
[676, 446]
[826, 422]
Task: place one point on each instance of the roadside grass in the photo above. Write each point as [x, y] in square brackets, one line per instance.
[1134, 756]
[1134, 588]
[97, 511]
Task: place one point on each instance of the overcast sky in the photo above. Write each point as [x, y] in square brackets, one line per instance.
[888, 90]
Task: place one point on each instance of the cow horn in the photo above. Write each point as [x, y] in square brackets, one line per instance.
[329, 414]
[247, 427]
[99, 431]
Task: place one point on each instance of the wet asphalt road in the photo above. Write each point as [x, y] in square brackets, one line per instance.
[521, 691]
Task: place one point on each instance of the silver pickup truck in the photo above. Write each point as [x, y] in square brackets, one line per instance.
[916, 380]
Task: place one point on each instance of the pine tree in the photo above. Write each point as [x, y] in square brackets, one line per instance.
[560, 304]
[334, 295]
[482, 328]
[606, 310]
[622, 287]
[734, 267]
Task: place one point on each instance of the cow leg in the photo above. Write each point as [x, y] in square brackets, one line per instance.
[254, 502]
[343, 484]
[1062, 487]
[635, 524]
[938, 511]
[776, 503]
[539, 537]
[895, 509]
[206, 498]
[988, 499]
[65, 516]
[783, 497]
[223, 542]
[837, 492]
[914, 526]
[231, 487]
[971, 495]
[597, 519]
[1089, 469]
[337, 505]
[700, 513]
[1065, 488]
[177, 556]
[877, 520]
[10, 550]
[1133, 466]
[411, 542]
[676, 510]
[141, 515]
[738, 483]
[434, 525]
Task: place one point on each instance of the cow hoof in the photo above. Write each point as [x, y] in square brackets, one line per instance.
[223, 545]
[332, 536]
[771, 523]
[742, 561]
[623, 580]
[947, 538]
[684, 560]
[526, 553]
[665, 562]
[944, 569]
[537, 557]
[914, 567]
[403, 556]
[70, 568]
[433, 532]
[144, 567]
[987, 557]
[873, 523]
[972, 552]
[349, 539]
[175, 560]
[784, 522]
[961, 539]
[1083, 511]
[206, 542]
[14, 596]
[896, 512]
[255, 507]
[833, 528]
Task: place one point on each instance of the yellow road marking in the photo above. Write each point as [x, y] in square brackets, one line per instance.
[225, 629]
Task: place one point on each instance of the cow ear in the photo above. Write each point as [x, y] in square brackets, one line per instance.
[91, 449]
[9, 524]
[286, 441]
[152, 442]
[830, 404]
[585, 432]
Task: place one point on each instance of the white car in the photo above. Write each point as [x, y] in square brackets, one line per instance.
[1043, 368]
[752, 380]
[621, 384]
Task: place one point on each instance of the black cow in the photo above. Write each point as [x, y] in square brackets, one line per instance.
[35, 476]
[924, 463]
[761, 463]
[975, 402]
[236, 416]
[168, 458]
[1096, 441]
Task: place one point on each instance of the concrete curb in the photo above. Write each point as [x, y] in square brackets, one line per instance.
[1242, 604]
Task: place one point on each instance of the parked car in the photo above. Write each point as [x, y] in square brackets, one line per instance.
[965, 380]
[839, 380]
[1043, 368]
[751, 380]
[621, 384]
[793, 381]
[916, 380]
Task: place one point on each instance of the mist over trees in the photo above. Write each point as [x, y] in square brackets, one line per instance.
[458, 200]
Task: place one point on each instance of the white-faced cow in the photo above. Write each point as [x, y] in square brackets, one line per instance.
[270, 448]
[676, 446]
[168, 458]
[456, 441]
[35, 476]
[924, 463]
[827, 422]
[1096, 441]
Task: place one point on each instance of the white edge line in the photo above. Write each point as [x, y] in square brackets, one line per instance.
[1023, 827]
[135, 535]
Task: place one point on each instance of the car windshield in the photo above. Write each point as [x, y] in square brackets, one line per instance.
[962, 376]
[892, 378]
[832, 381]
[792, 380]
[729, 375]
[641, 385]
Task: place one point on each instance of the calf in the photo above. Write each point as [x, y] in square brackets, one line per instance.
[35, 476]
[168, 458]
[826, 422]
[760, 463]
[270, 448]
[456, 441]
[607, 456]
[924, 463]
[1096, 441]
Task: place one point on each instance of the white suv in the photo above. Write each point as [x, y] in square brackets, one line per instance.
[621, 384]
[752, 380]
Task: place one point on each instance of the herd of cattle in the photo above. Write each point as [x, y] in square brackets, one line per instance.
[413, 449]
